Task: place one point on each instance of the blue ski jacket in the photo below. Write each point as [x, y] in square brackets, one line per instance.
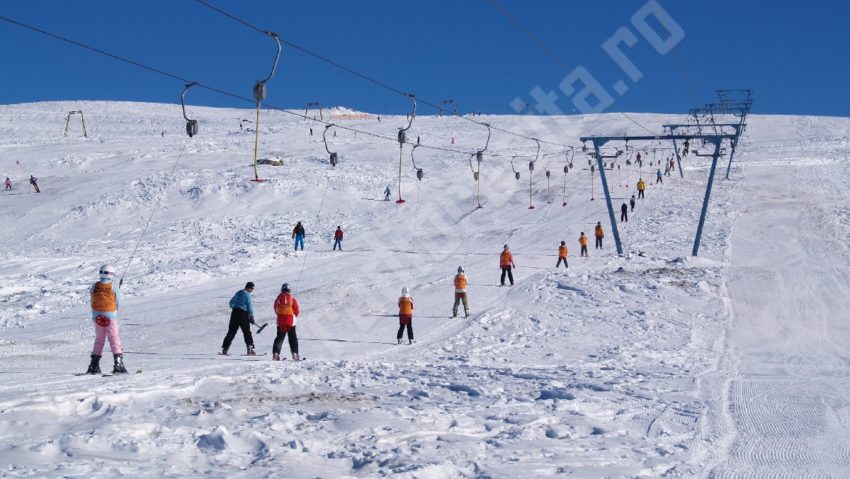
[242, 300]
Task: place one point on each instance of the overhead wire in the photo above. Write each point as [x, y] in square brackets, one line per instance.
[167, 74]
[362, 75]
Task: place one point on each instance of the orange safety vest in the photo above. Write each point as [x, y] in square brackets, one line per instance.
[460, 282]
[562, 251]
[506, 258]
[582, 240]
[598, 232]
[405, 305]
[103, 298]
[283, 305]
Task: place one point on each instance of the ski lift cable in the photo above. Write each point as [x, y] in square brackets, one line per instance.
[358, 74]
[153, 212]
[242, 97]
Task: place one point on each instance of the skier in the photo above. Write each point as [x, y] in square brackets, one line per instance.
[667, 170]
[8, 184]
[624, 212]
[34, 183]
[632, 203]
[241, 317]
[311, 132]
[338, 238]
[405, 315]
[658, 177]
[672, 164]
[387, 193]
[582, 240]
[460, 293]
[506, 262]
[286, 308]
[298, 234]
[562, 255]
[105, 299]
[599, 234]
[641, 186]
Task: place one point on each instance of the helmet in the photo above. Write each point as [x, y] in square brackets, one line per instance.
[405, 291]
[563, 242]
[107, 269]
[506, 246]
[284, 288]
[460, 269]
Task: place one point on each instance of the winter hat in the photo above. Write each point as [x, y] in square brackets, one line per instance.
[460, 269]
[506, 246]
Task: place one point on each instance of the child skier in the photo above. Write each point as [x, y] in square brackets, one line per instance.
[105, 299]
[241, 317]
[562, 255]
[632, 203]
[460, 293]
[286, 308]
[582, 241]
[624, 212]
[405, 315]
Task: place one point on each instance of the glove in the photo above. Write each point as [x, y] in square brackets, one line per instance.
[251, 320]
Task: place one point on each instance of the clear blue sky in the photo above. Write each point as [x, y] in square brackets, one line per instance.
[793, 54]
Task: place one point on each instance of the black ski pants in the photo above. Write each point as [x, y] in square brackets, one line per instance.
[506, 270]
[238, 320]
[278, 340]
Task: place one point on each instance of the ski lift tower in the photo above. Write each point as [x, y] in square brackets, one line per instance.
[82, 119]
[714, 139]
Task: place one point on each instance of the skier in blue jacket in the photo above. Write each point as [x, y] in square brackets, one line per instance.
[241, 317]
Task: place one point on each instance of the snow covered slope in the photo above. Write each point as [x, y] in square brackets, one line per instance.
[734, 364]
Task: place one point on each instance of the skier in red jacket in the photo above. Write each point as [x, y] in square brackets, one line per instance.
[286, 308]
[338, 238]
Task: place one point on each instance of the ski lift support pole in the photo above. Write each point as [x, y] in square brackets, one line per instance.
[402, 139]
[260, 95]
[715, 139]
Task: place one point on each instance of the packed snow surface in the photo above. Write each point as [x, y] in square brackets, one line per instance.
[654, 364]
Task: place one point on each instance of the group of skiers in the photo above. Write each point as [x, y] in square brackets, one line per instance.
[33, 182]
[298, 234]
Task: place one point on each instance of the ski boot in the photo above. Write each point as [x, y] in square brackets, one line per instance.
[295, 356]
[94, 366]
[399, 341]
[275, 357]
[223, 352]
[251, 351]
[119, 368]
[466, 313]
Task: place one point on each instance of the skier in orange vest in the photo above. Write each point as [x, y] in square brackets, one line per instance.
[562, 255]
[582, 240]
[506, 262]
[405, 315]
[599, 234]
[286, 308]
[105, 299]
[460, 292]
